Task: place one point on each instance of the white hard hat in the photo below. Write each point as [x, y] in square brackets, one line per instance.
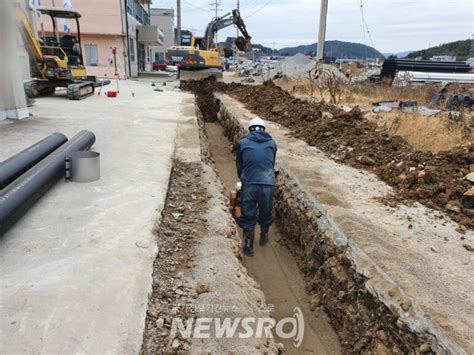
[257, 121]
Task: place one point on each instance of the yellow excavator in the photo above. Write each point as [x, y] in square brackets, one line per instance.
[56, 61]
[202, 58]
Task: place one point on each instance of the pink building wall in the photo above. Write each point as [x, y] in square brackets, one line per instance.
[105, 67]
[98, 16]
[101, 24]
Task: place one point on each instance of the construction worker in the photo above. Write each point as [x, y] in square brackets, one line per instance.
[255, 160]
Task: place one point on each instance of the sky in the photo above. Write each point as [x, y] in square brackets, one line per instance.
[392, 25]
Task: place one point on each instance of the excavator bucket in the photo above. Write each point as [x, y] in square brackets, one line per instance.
[244, 45]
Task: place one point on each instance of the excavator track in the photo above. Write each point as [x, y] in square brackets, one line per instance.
[79, 91]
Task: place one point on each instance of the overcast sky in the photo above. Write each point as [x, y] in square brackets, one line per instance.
[394, 25]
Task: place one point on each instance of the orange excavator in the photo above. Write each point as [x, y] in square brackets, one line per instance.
[202, 58]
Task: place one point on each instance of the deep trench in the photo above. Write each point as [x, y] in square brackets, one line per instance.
[274, 267]
[305, 266]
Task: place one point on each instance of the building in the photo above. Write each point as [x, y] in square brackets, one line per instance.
[164, 20]
[106, 24]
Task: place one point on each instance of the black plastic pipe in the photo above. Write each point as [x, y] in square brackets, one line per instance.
[22, 194]
[23, 161]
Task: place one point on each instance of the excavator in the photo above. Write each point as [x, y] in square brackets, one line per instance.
[55, 61]
[202, 59]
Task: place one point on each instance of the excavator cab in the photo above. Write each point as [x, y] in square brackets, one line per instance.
[67, 48]
[56, 61]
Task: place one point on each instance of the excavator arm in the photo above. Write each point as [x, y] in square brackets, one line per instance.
[234, 18]
[32, 45]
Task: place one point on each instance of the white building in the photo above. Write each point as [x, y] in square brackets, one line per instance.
[164, 20]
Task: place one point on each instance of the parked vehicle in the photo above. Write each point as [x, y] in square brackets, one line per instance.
[159, 66]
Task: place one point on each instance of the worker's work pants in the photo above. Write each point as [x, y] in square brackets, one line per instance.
[253, 197]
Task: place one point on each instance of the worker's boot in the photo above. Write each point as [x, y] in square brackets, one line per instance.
[264, 236]
[249, 236]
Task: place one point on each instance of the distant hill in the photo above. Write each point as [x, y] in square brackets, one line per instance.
[459, 49]
[398, 55]
[229, 43]
[336, 49]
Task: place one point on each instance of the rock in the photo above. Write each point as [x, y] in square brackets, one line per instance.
[468, 247]
[327, 116]
[180, 292]
[277, 109]
[202, 287]
[366, 160]
[382, 335]
[280, 347]
[405, 306]
[468, 212]
[470, 192]
[453, 207]
[470, 177]
[471, 168]
[175, 344]
[425, 348]
[434, 250]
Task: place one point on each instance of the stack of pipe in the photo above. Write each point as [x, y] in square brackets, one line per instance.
[404, 77]
[32, 172]
[392, 66]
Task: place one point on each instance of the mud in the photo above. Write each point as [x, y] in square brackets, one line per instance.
[436, 180]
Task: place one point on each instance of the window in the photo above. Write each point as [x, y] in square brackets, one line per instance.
[135, 9]
[132, 49]
[92, 55]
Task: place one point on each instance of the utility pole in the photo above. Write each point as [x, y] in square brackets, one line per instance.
[178, 15]
[322, 30]
[215, 6]
[236, 53]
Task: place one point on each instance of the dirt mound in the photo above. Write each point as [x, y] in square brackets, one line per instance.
[435, 180]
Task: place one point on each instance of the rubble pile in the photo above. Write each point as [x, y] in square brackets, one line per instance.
[183, 221]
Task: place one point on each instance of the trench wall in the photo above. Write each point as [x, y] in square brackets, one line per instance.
[370, 313]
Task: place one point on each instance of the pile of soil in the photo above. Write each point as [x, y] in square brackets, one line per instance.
[435, 180]
[183, 221]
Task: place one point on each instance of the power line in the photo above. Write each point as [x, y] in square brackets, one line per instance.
[197, 7]
[260, 9]
[216, 6]
[365, 23]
